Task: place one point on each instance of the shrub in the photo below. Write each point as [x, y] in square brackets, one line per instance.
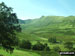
[68, 45]
[38, 46]
[52, 40]
[25, 44]
[46, 47]
[16, 41]
[56, 48]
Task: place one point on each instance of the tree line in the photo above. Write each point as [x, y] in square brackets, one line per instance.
[25, 44]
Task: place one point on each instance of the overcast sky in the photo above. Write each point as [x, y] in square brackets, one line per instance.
[30, 9]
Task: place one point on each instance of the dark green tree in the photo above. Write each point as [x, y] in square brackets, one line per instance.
[68, 45]
[56, 48]
[46, 47]
[25, 44]
[38, 46]
[52, 39]
[9, 25]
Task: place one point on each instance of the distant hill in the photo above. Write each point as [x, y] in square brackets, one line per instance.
[52, 21]
[21, 21]
[46, 21]
[49, 26]
[43, 22]
[24, 21]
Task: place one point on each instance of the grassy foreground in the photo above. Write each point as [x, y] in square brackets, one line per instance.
[18, 53]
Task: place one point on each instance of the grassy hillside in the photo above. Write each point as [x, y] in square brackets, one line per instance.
[28, 53]
[51, 21]
[48, 26]
[18, 53]
[30, 37]
[44, 21]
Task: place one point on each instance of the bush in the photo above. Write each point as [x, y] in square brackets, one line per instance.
[52, 40]
[25, 44]
[68, 45]
[46, 47]
[56, 48]
[16, 41]
[38, 46]
[72, 49]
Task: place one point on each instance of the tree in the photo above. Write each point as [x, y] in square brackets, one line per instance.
[46, 47]
[52, 39]
[38, 46]
[56, 48]
[68, 45]
[8, 25]
[25, 44]
[16, 41]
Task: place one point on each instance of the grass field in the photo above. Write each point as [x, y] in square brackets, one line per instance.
[18, 53]
[28, 53]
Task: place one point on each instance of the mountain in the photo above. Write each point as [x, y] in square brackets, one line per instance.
[24, 21]
[50, 21]
[51, 26]
[21, 21]
[44, 21]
